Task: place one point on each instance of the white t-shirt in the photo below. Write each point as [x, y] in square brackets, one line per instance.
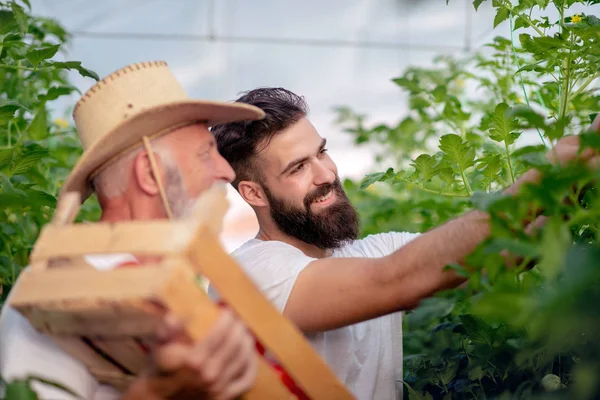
[25, 352]
[366, 357]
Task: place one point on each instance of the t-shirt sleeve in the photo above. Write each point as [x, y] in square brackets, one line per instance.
[395, 240]
[274, 267]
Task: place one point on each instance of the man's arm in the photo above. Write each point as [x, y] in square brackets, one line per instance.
[335, 292]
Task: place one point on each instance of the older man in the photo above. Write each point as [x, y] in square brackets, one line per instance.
[148, 155]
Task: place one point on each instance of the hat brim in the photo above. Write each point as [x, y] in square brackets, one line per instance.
[147, 123]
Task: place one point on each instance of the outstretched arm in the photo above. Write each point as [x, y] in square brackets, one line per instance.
[335, 292]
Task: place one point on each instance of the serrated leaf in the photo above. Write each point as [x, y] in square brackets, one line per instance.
[38, 129]
[457, 152]
[376, 177]
[55, 92]
[36, 56]
[6, 157]
[501, 15]
[413, 395]
[502, 125]
[425, 167]
[76, 65]
[519, 23]
[28, 160]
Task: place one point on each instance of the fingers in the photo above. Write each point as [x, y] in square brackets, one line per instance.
[222, 364]
[238, 361]
[242, 382]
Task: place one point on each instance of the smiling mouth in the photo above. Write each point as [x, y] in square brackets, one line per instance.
[323, 199]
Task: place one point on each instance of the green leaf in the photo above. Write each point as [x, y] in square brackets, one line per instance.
[477, 3]
[55, 92]
[502, 125]
[425, 167]
[54, 384]
[501, 16]
[36, 56]
[428, 310]
[376, 177]
[76, 65]
[28, 160]
[20, 390]
[519, 23]
[38, 129]
[456, 151]
[477, 330]
[413, 395]
[591, 140]
[7, 112]
[535, 120]
[20, 16]
[8, 23]
[6, 156]
[556, 239]
[483, 201]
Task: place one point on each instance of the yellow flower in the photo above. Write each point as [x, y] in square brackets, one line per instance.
[576, 18]
[460, 83]
[62, 123]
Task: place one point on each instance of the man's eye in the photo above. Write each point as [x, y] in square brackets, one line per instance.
[323, 151]
[299, 168]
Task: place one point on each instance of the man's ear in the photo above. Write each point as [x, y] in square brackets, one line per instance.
[253, 193]
[144, 175]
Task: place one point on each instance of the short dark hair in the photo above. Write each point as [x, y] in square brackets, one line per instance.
[240, 142]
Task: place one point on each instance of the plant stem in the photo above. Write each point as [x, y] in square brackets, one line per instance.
[465, 181]
[525, 18]
[566, 85]
[584, 85]
[510, 169]
[20, 68]
[426, 190]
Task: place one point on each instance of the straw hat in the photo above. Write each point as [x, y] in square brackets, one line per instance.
[138, 100]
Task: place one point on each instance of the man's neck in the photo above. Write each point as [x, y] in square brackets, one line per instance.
[118, 209]
[273, 233]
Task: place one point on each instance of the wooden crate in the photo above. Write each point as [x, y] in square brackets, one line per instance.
[107, 319]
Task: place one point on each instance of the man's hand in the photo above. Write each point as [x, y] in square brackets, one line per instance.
[221, 366]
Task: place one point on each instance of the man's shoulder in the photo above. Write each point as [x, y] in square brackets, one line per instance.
[376, 245]
[265, 248]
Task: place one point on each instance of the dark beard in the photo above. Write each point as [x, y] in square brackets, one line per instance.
[329, 230]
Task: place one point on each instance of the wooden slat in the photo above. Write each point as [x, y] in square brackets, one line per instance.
[274, 331]
[191, 305]
[90, 302]
[125, 350]
[81, 351]
[135, 237]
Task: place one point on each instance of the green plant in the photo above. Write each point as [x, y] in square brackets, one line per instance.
[527, 330]
[36, 151]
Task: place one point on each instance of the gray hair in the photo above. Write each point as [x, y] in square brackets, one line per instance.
[113, 181]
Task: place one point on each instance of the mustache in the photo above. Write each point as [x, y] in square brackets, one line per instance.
[322, 191]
